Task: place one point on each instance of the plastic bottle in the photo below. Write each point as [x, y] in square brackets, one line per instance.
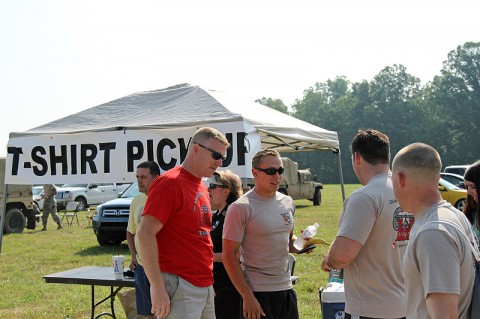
[336, 275]
[309, 232]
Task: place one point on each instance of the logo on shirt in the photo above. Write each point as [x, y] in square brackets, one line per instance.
[201, 207]
[402, 223]
[287, 218]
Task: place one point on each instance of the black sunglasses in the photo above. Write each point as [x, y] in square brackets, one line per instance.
[213, 186]
[215, 155]
[272, 170]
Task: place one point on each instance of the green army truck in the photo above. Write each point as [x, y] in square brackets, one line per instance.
[20, 212]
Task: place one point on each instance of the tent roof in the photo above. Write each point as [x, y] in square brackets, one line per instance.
[186, 105]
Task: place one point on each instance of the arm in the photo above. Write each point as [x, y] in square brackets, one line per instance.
[148, 249]
[133, 251]
[442, 306]
[341, 253]
[251, 306]
[217, 257]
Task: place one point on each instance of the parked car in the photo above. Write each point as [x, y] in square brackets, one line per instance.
[37, 193]
[455, 179]
[111, 218]
[456, 169]
[454, 195]
[88, 194]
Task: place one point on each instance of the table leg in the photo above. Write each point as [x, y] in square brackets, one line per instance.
[112, 295]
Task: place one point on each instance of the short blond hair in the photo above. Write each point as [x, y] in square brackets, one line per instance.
[257, 159]
[419, 161]
[205, 133]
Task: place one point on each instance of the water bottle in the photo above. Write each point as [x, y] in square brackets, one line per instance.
[307, 233]
[336, 275]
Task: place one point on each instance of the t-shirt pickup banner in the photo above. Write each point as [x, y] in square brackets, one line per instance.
[112, 156]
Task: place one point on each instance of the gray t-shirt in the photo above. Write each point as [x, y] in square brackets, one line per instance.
[262, 226]
[374, 282]
[438, 260]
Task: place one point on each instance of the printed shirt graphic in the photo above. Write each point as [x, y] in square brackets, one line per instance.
[402, 223]
[181, 203]
[374, 282]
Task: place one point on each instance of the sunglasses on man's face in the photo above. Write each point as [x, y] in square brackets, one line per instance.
[272, 170]
[213, 186]
[215, 155]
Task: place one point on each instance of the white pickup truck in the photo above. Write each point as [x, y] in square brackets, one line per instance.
[88, 194]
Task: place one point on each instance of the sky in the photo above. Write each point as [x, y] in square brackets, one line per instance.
[61, 57]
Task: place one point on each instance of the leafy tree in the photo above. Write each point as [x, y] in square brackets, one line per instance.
[276, 104]
[456, 95]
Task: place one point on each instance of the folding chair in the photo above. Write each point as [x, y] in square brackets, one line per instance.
[70, 213]
[291, 267]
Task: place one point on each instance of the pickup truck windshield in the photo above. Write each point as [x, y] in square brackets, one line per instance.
[131, 191]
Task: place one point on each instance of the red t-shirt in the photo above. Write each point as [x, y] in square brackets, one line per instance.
[181, 203]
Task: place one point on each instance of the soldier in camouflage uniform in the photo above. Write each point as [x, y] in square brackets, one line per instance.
[50, 206]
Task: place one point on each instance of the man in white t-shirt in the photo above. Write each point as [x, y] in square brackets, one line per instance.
[438, 263]
[145, 174]
[259, 225]
[373, 235]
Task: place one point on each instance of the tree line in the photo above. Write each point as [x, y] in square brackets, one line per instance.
[444, 113]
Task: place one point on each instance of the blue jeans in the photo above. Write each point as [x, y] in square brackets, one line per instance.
[142, 292]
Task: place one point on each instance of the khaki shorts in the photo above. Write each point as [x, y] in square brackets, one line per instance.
[188, 301]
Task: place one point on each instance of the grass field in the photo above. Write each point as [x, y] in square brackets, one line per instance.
[27, 257]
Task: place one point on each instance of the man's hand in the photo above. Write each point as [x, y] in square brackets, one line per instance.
[325, 266]
[160, 302]
[133, 263]
[252, 308]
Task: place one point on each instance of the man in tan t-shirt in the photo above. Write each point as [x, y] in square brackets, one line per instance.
[373, 234]
[438, 263]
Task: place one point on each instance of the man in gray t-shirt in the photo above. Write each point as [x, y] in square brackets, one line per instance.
[373, 235]
[438, 263]
[259, 226]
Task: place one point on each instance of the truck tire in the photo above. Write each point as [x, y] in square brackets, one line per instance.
[14, 221]
[105, 241]
[82, 204]
[317, 197]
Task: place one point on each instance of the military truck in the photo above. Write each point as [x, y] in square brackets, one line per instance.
[297, 183]
[19, 209]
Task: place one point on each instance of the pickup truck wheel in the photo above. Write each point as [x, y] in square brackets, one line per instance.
[14, 221]
[82, 204]
[317, 197]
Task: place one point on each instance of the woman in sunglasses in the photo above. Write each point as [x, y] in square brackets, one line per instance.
[224, 188]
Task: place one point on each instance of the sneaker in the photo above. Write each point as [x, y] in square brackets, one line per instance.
[59, 226]
[44, 228]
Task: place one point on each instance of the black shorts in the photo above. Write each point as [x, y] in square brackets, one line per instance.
[278, 304]
[349, 316]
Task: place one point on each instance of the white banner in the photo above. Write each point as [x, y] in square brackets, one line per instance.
[112, 156]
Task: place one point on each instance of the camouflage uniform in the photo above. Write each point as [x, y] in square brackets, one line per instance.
[50, 205]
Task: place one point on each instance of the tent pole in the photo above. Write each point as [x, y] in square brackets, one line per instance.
[2, 221]
[340, 172]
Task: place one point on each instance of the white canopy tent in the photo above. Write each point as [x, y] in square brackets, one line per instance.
[105, 143]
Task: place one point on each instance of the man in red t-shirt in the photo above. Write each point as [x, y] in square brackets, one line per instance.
[174, 235]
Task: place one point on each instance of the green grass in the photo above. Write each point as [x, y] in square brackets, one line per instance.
[27, 257]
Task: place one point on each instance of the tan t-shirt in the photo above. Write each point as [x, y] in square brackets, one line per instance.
[134, 218]
[263, 227]
[374, 282]
[438, 260]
